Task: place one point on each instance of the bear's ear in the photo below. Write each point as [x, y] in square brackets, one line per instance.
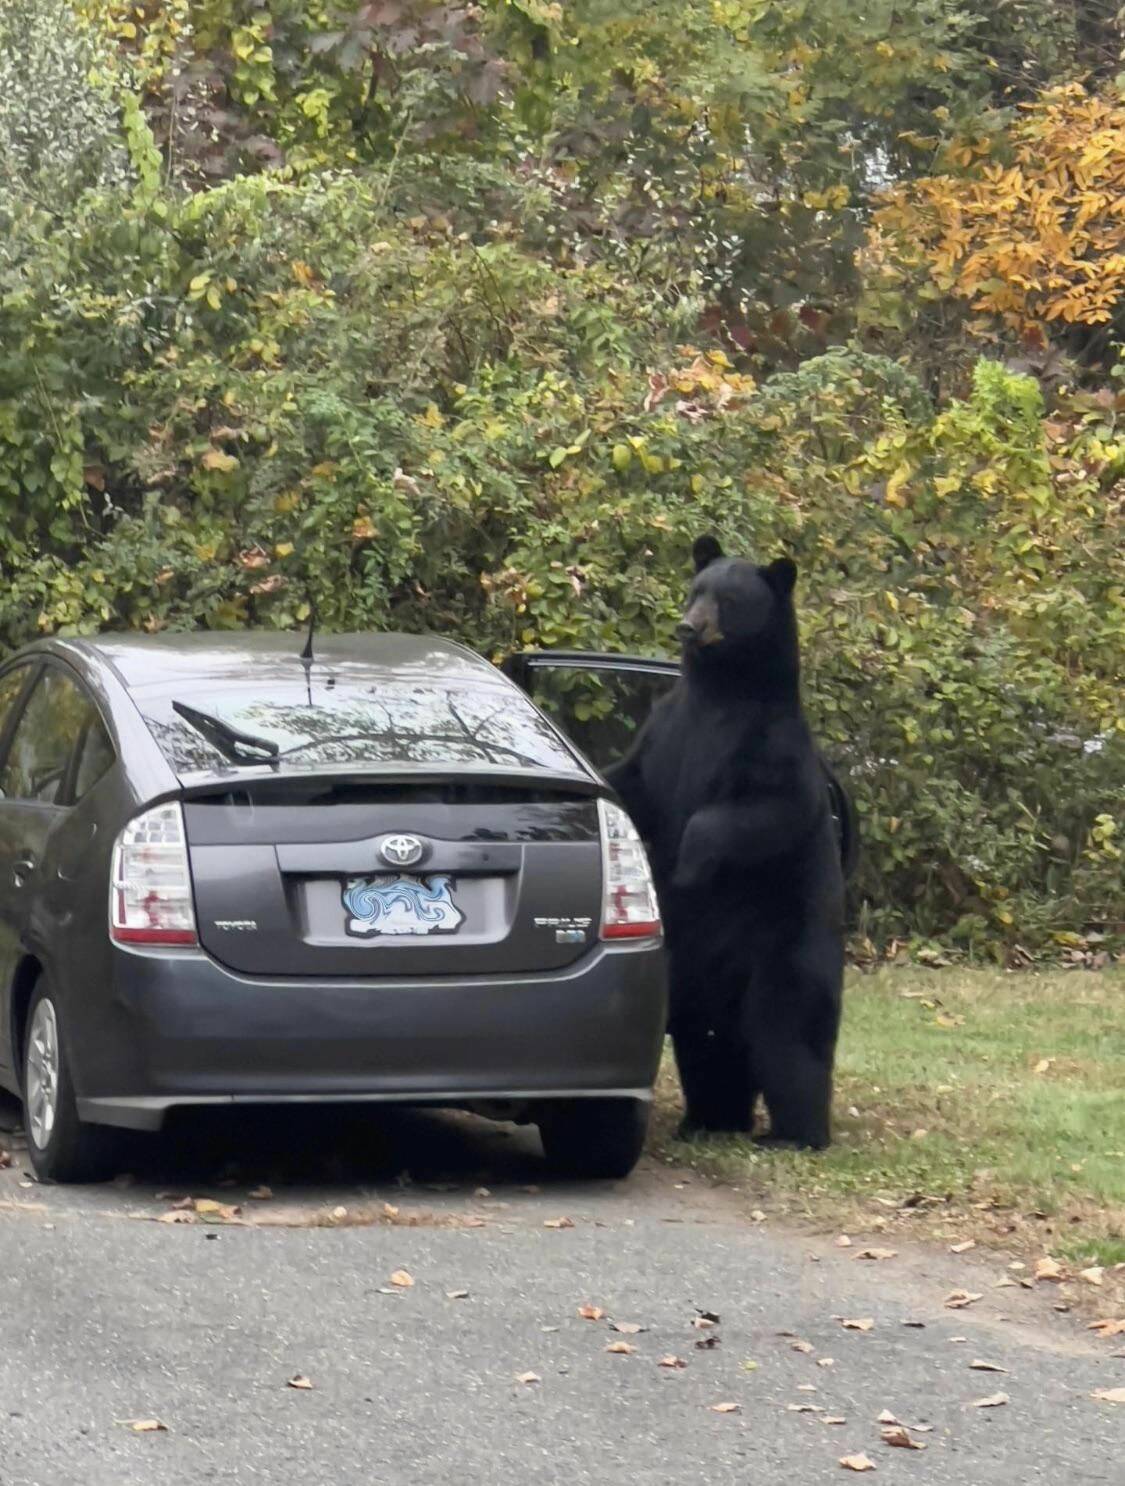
[705, 551]
[781, 575]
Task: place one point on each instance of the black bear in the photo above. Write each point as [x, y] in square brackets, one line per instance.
[727, 788]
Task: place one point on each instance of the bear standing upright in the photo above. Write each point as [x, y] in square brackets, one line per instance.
[726, 787]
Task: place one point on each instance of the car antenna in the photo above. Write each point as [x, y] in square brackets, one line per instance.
[307, 652]
[306, 656]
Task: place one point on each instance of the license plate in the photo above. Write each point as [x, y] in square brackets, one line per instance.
[394, 904]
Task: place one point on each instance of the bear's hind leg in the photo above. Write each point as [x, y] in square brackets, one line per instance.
[798, 1096]
[792, 1063]
[714, 1068]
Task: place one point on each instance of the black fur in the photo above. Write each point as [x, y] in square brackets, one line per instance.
[726, 786]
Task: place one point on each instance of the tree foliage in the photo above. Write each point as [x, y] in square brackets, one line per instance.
[1035, 237]
[59, 125]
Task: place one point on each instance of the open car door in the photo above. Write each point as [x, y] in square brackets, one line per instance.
[601, 702]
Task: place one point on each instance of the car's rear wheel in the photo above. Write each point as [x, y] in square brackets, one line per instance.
[61, 1148]
[601, 1138]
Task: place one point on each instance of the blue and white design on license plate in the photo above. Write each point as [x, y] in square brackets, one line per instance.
[400, 905]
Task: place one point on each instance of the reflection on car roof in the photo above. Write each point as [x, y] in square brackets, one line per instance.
[166, 661]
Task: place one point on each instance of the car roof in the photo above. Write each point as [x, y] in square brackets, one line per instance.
[156, 662]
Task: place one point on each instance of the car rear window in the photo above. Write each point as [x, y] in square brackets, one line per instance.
[384, 724]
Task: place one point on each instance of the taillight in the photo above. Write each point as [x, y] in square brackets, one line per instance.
[629, 909]
[150, 899]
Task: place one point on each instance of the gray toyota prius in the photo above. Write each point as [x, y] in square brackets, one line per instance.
[232, 872]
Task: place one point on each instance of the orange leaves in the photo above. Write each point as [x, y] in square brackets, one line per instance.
[1033, 242]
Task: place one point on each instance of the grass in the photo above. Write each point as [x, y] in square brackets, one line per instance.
[968, 1104]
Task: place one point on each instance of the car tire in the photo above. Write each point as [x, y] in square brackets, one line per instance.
[60, 1146]
[594, 1138]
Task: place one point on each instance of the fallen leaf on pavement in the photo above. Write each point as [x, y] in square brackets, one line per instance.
[866, 1324]
[963, 1248]
[833, 1419]
[724, 1408]
[917, 1325]
[806, 1387]
[144, 1426]
[299, 1381]
[176, 1217]
[591, 1312]
[877, 1254]
[857, 1463]
[898, 1434]
[627, 1328]
[1049, 1269]
[529, 1377]
[559, 1223]
[670, 1361]
[886, 1417]
[261, 1194]
[800, 1346]
[1093, 1275]
[804, 1408]
[993, 1401]
[843, 1242]
[457, 1295]
[956, 1300]
[981, 1366]
[1109, 1395]
[706, 1318]
[221, 1212]
[624, 1348]
[403, 1279]
[1107, 1327]
[826, 1362]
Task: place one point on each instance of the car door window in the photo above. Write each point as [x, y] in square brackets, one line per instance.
[11, 685]
[600, 706]
[96, 754]
[53, 719]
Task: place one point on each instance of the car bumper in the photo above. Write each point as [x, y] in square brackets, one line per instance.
[186, 1031]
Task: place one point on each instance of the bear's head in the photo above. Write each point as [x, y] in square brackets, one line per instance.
[740, 617]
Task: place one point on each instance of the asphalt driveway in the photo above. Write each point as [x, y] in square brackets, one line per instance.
[426, 1278]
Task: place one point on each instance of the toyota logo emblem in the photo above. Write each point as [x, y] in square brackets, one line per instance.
[402, 851]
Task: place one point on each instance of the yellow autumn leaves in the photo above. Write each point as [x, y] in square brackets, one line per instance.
[1039, 238]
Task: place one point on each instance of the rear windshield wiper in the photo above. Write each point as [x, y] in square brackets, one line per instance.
[228, 739]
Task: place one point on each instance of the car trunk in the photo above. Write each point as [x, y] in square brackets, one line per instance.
[289, 878]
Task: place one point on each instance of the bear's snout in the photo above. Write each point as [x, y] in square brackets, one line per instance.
[700, 625]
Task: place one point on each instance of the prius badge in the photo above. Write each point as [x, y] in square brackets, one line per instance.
[402, 851]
